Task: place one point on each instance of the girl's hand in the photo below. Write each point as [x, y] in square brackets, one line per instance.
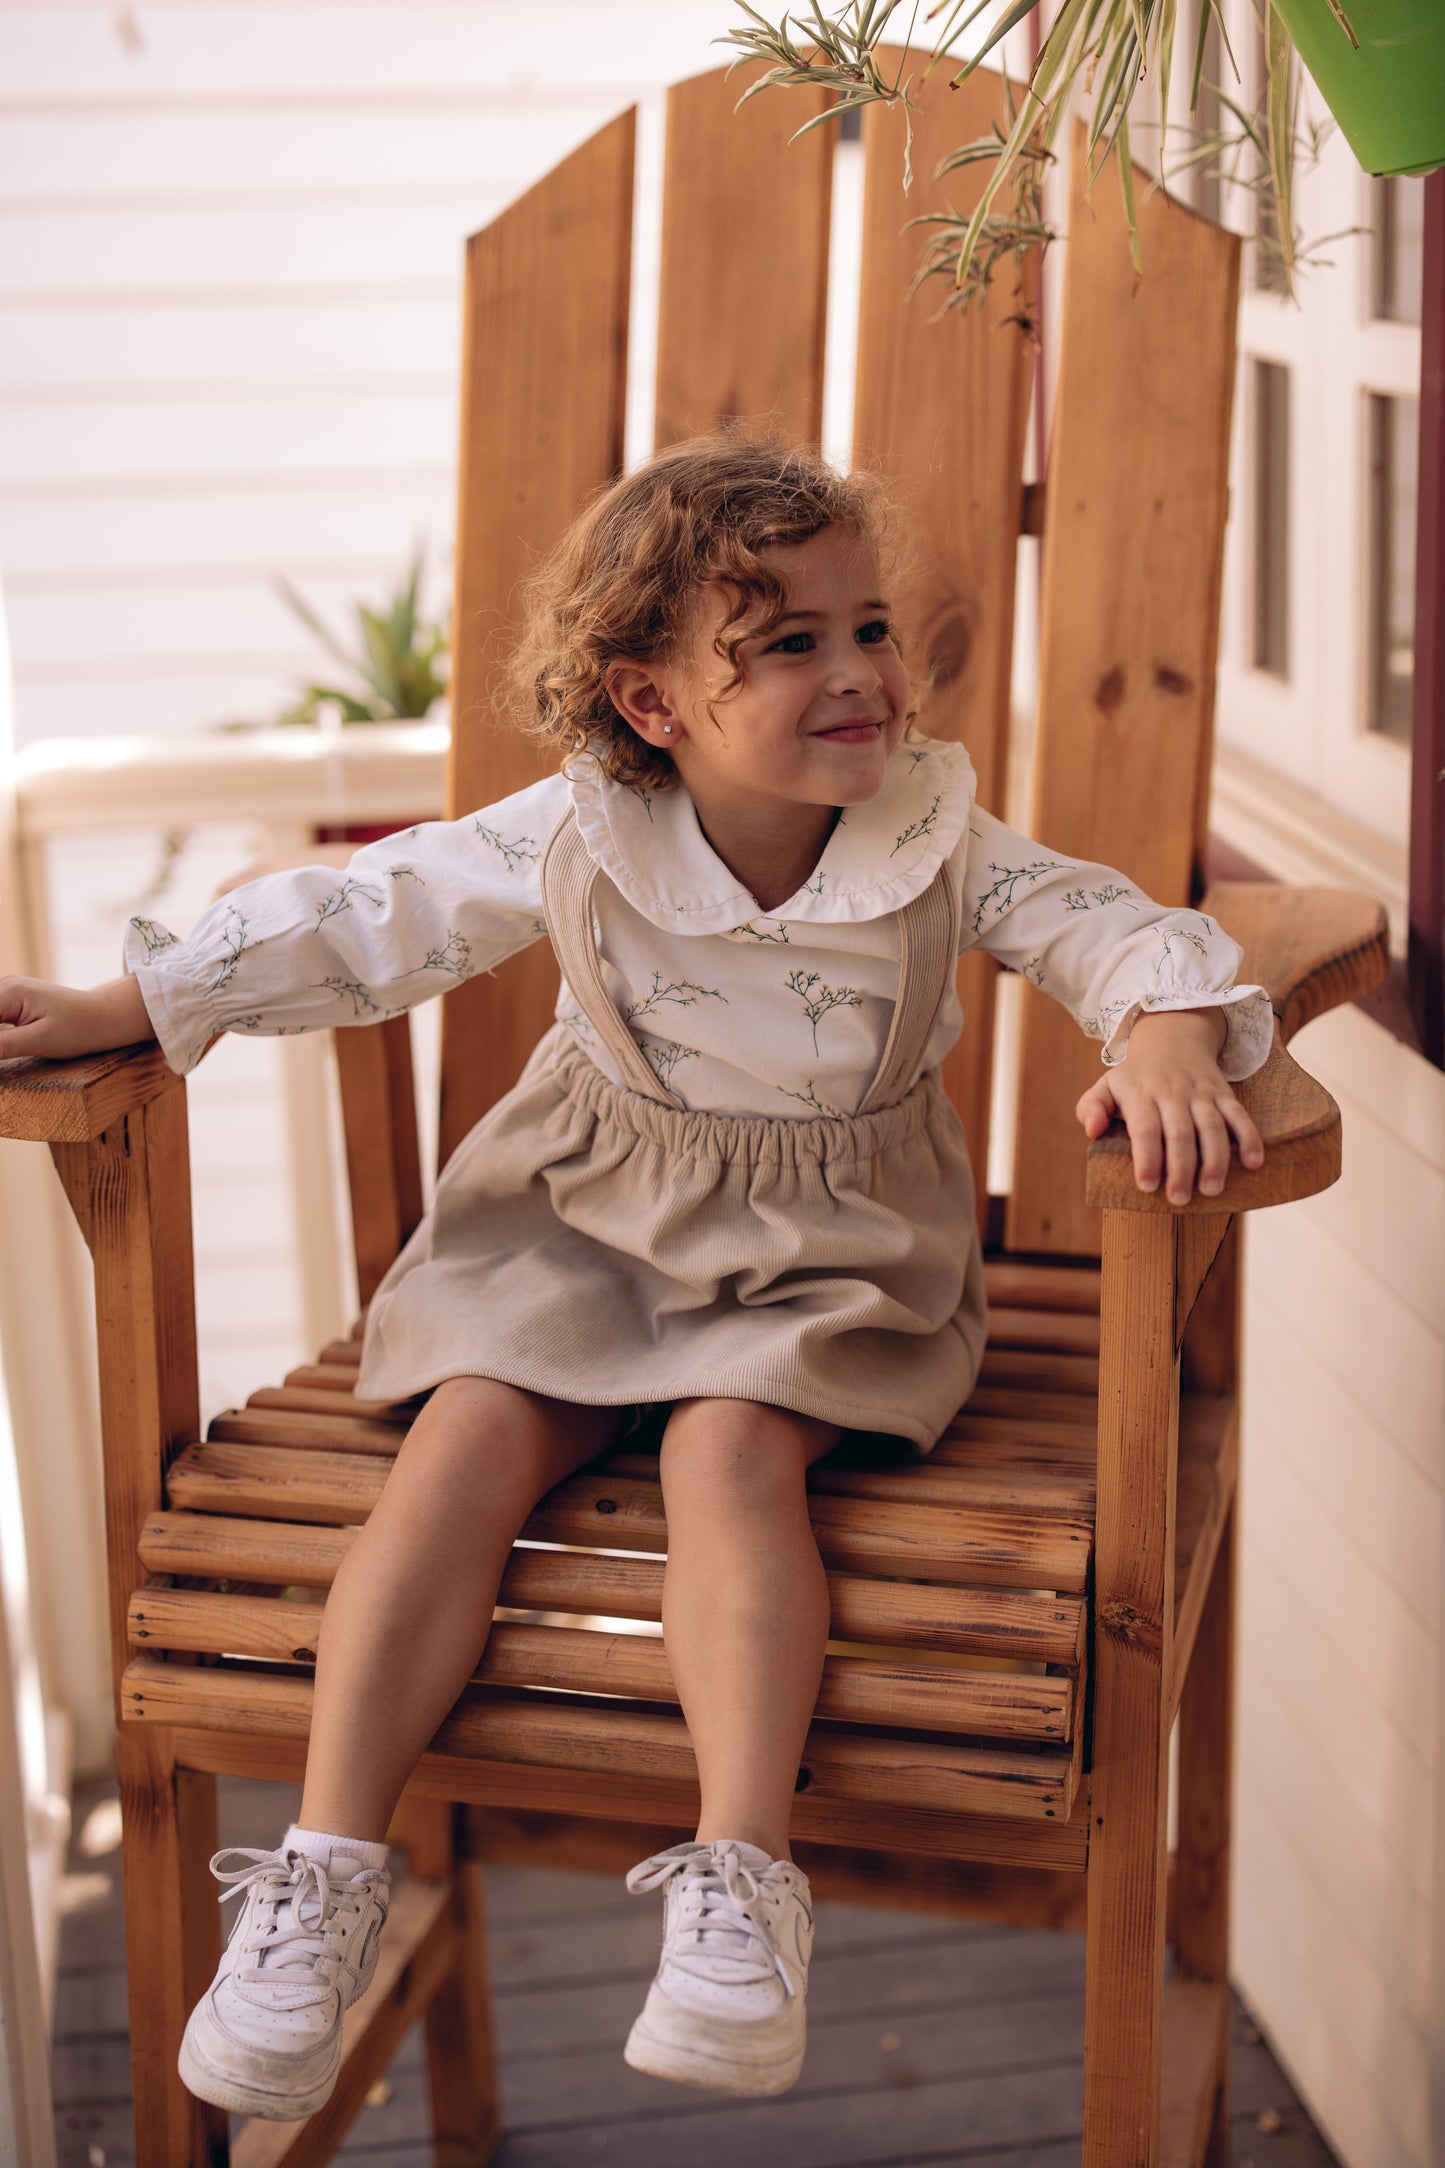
[1178, 1109]
[57, 1022]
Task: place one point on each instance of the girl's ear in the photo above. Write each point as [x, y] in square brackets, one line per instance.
[635, 692]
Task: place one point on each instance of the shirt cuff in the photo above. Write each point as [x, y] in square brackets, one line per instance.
[1249, 1022]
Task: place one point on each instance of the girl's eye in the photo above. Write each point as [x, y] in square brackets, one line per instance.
[876, 629]
[792, 643]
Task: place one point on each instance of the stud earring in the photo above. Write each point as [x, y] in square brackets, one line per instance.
[667, 730]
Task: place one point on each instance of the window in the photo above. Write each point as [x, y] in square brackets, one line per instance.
[1270, 482]
[1393, 437]
[1397, 250]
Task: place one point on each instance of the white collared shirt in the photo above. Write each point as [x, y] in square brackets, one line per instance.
[739, 1011]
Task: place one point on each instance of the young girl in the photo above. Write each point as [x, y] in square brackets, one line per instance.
[728, 1182]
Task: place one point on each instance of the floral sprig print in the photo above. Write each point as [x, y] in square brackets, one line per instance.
[405, 873]
[923, 826]
[810, 1098]
[818, 999]
[1101, 1024]
[815, 888]
[1079, 899]
[253, 1022]
[522, 852]
[340, 899]
[155, 936]
[454, 957]
[681, 993]
[763, 929]
[1033, 970]
[234, 944]
[1170, 934]
[916, 754]
[353, 991]
[665, 1056]
[636, 790]
[1001, 893]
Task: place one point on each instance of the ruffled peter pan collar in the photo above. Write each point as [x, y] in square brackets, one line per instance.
[880, 855]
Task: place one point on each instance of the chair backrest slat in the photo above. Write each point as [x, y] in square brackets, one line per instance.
[544, 374]
[942, 410]
[1133, 551]
[743, 294]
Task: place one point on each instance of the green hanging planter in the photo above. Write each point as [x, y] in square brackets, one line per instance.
[1380, 68]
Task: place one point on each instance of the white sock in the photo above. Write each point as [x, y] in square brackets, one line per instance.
[316, 1844]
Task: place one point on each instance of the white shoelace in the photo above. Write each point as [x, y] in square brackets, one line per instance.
[284, 1878]
[719, 1888]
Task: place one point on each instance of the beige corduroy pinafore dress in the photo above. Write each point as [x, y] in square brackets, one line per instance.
[605, 1245]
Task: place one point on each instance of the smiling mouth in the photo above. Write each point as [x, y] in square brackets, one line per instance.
[857, 730]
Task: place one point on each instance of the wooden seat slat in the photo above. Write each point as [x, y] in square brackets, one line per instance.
[570, 1659]
[545, 1732]
[1019, 1624]
[1017, 1284]
[991, 1484]
[331, 1400]
[296, 1430]
[935, 1542]
[1059, 1332]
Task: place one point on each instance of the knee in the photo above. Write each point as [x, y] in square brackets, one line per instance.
[740, 1456]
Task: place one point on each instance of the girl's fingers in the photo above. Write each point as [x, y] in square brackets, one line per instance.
[1238, 1119]
[1146, 1137]
[1096, 1108]
[1213, 1147]
[1181, 1153]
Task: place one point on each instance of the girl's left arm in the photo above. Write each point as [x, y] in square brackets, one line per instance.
[1156, 985]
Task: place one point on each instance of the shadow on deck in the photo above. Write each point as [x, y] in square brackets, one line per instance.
[931, 2041]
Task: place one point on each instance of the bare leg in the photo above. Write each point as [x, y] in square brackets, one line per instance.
[745, 1606]
[412, 1605]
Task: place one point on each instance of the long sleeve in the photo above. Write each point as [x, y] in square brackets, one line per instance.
[1087, 936]
[315, 948]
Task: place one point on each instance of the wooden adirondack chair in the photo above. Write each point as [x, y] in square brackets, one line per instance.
[1066, 1558]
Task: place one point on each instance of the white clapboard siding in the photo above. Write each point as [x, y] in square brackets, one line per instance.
[230, 273]
[77, 540]
[1340, 1894]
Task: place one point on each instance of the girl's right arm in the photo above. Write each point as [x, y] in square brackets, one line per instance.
[58, 1022]
[317, 946]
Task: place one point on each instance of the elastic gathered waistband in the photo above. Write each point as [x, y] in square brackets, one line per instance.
[755, 1139]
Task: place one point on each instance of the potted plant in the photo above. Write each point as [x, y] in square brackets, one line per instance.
[1108, 48]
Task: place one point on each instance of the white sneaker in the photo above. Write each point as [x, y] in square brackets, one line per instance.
[265, 2038]
[728, 2007]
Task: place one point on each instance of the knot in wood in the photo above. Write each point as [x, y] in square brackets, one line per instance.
[1126, 1622]
[1110, 690]
[606, 1505]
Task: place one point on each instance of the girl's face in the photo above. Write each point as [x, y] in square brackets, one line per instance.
[824, 692]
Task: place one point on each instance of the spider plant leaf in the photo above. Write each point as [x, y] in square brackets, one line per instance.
[1007, 21]
[1201, 43]
[1165, 48]
[1126, 181]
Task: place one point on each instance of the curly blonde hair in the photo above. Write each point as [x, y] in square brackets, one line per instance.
[622, 583]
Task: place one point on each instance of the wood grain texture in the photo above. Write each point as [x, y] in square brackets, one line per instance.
[1311, 948]
[1132, 1655]
[942, 410]
[544, 364]
[984, 1547]
[742, 303]
[383, 1157]
[71, 1102]
[1207, 1483]
[1022, 1624]
[1133, 557]
[1298, 1122]
[859, 1690]
[1196, 2045]
[848, 1768]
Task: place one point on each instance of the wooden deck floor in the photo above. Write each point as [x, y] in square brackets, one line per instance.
[931, 2041]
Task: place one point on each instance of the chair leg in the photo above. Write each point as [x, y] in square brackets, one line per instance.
[1206, 1730]
[461, 2055]
[173, 1944]
[1124, 1953]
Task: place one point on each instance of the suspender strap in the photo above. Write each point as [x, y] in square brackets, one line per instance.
[569, 875]
[927, 963]
[928, 953]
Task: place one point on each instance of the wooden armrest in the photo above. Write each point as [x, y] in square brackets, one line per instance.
[1300, 1125]
[71, 1102]
[1311, 948]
